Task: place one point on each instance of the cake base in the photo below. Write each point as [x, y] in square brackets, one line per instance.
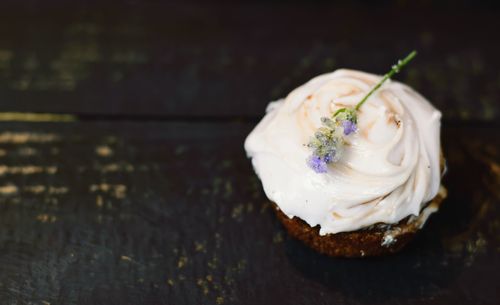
[376, 240]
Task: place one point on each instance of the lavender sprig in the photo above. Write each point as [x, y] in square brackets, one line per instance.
[328, 141]
[395, 69]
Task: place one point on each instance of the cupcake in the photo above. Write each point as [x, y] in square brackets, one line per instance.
[351, 161]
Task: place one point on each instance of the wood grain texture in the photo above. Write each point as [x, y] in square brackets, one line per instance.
[228, 59]
[172, 213]
[144, 194]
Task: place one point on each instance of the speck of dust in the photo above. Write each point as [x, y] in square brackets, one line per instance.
[203, 285]
[277, 238]
[182, 262]
[126, 258]
[103, 151]
[99, 201]
[237, 211]
[388, 240]
[179, 150]
[199, 246]
[46, 218]
[119, 191]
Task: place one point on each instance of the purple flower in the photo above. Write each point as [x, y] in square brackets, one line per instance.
[329, 157]
[317, 164]
[349, 127]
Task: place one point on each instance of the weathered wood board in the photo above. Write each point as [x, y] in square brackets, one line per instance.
[172, 213]
[228, 59]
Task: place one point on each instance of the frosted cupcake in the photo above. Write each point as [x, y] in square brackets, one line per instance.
[352, 162]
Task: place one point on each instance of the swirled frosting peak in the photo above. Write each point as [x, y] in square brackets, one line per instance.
[389, 167]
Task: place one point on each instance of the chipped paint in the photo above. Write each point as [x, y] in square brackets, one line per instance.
[58, 190]
[26, 170]
[115, 167]
[36, 189]
[35, 117]
[27, 151]
[27, 137]
[8, 189]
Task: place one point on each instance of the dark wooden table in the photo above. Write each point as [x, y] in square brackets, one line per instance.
[135, 188]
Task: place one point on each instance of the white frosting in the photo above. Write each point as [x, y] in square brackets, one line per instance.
[388, 171]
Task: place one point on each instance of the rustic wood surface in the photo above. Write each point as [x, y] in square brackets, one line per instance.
[141, 193]
[229, 59]
[171, 213]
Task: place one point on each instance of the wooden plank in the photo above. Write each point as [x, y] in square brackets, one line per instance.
[227, 59]
[172, 213]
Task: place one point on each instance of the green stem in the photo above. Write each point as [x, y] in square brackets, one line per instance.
[395, 69]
